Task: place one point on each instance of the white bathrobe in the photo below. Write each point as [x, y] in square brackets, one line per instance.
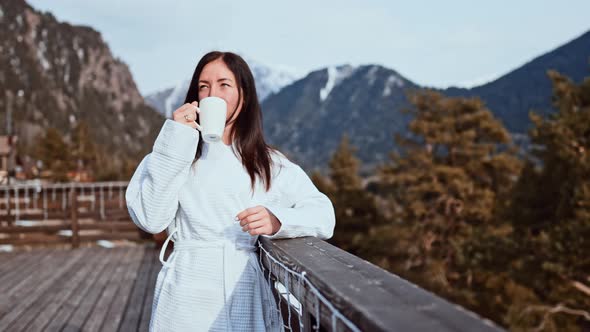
[212, 281]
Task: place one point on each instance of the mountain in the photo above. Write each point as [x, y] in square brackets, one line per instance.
[269, 80]
[307, 118]
[526, 88]
[54, 74]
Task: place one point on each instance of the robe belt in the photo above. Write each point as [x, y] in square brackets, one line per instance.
[191, 244]
[187, 244]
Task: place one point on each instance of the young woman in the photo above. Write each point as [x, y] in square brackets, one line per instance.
[214, 200]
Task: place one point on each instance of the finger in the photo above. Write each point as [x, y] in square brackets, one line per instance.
[179, 114]
[248, 212]
[189, 117]
[196, 104]
[190, 114]
[184, 108]
[252, 218]
[194, 107]
[259, 231]
[254, 225]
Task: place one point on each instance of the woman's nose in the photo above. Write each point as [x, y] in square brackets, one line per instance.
[213, 92]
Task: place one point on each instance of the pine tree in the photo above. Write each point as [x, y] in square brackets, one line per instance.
[355, 208]
[550, 206]
[344, 167]
[560, 161]
[55, 154]
[452, 172]
[83, 148]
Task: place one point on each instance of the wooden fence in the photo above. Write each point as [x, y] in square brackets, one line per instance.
[65, 213]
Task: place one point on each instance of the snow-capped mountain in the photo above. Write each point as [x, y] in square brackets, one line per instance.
[269, 80]
[307, 119]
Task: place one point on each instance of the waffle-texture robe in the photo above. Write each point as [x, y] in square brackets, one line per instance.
[212, 281]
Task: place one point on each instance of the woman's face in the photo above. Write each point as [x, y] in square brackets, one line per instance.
[217, 80]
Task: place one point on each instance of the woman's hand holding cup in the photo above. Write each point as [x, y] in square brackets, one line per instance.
[187, 115]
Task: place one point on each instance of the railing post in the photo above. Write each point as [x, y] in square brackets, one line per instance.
[16, 205]
[8, 208]
[102, 216]
[74, 217]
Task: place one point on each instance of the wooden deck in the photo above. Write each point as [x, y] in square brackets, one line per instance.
[85, 289]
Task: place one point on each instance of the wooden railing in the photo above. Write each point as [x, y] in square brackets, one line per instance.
[355, 295]
[339, 291]
[65, 213]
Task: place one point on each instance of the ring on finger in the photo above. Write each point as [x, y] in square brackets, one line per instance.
[188, 117]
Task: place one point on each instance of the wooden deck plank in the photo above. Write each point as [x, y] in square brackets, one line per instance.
[78, 318]
[12, 262]
[149, 298]
[135, 307]
[99, 312]
[10, 257]
[19, 286]
[122, 292]
[21, 268]
[44, 281]
[79, 293]
[26, 280]
[43, 309]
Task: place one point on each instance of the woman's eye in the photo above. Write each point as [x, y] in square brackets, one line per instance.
[202, 86]
[225, 84]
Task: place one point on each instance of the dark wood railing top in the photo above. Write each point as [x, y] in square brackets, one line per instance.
[369, 296]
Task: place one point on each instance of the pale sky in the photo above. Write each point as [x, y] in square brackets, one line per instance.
[433, 43]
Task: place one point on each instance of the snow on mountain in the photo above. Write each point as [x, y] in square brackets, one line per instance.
[269, 80]
[335, 76]
[393, 81]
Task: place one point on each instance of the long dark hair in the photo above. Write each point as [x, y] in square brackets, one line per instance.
[246, 130]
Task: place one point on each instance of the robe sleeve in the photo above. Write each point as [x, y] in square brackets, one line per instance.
[303, 209]
[152, 193]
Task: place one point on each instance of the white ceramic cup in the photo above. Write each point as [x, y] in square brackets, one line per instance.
[212, 118]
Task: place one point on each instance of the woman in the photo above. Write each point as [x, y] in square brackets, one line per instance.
[215, 199]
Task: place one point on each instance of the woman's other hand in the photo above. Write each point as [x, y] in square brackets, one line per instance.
[258, 220]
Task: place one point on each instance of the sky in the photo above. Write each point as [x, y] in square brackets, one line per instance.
[432, 43]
